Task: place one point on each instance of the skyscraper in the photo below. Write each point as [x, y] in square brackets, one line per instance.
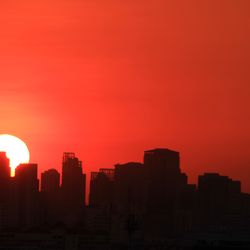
[72, 189]
[164, 178]
[5, 185]
[4, 168]
[50, 181]
[129, 187]
[50, 192]
[98, 214]
[164, 183]
[218, 197]
[27, 195]
[101, 188]
[129, 201]
[26, 177]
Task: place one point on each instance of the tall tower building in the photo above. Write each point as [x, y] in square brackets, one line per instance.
[99, 212]
[50, 187]
[218, 196]
[5, 185]
[101, 188]
[26, 177]
[129, 200]
[164, 177]
[50, 181]
[165, 183]
[27, 195]
[4, 167]
[73, 188]
[130, 187]
[73, 180]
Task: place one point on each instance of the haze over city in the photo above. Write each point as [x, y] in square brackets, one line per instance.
[124, 124]
[110, 79]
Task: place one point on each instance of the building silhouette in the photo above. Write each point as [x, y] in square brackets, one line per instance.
[219, 198]
[27, 199]
[4, 168]
[5, 188]
[50, 181]
[101, 196]
[72, 189]
[164, 178]
[50, 195]
[101, 188]
[129, 200]
[165, 183]
[129, 187]
[134, 205]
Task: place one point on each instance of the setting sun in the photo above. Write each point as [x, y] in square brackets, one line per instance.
[16, 150]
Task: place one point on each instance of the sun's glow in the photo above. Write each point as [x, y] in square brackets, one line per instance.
[16, 150]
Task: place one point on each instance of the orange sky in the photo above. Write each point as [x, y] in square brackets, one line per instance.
[108, 79]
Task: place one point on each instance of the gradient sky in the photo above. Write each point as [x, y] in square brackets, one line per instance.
[108, 79]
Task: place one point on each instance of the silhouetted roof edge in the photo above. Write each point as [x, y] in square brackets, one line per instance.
[161, 150]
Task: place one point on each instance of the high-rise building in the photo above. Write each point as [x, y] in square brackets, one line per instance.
[72, 189]
[4, 168]
[101, 188]
[50, 191]
[50, 181]
[98, 214]
[129, 201]
[27, 195]
[73, 179]
[5, 185]
[164, 178]
[130, 187]
[218, 197]
[215, 184]
[26, 177]
[165, 184]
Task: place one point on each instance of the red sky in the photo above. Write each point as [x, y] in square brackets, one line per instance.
[108, 79]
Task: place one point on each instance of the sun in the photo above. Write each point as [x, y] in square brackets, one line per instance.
[16, 150]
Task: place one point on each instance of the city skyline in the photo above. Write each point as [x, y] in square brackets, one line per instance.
[131, 206]
[113, 78]
[59, 172]
[124, 124]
